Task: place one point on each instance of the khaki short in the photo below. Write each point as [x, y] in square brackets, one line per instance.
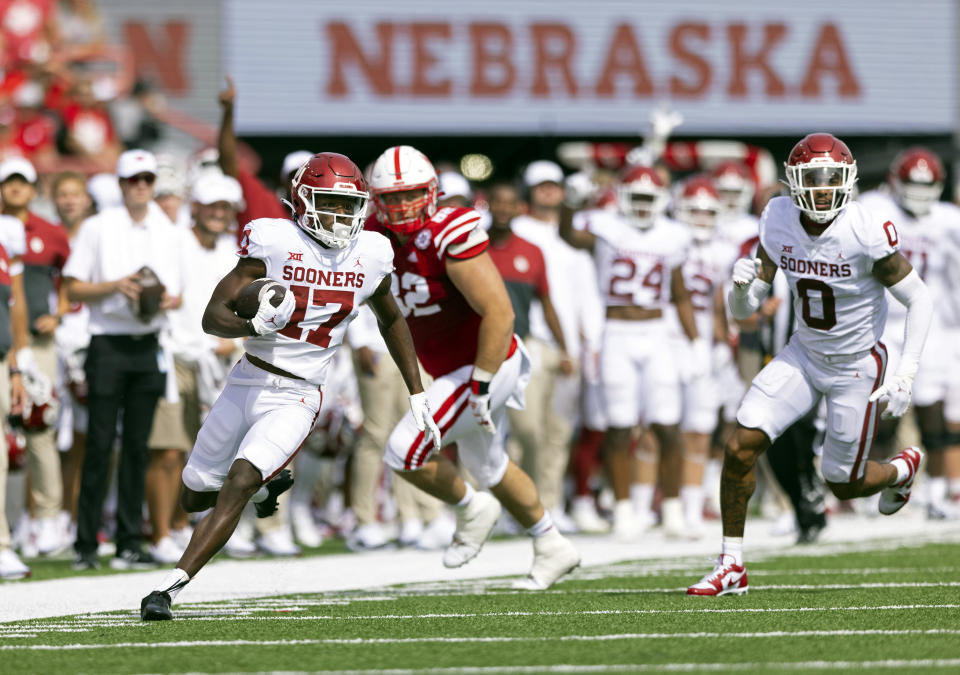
[175, 425]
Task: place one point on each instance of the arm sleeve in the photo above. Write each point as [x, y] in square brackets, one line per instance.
[744, 302]
[914, 295]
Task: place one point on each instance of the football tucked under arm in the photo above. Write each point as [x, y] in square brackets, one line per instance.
[247, 303]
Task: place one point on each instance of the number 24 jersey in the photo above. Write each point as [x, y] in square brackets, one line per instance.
[328, 284]
[841, 307]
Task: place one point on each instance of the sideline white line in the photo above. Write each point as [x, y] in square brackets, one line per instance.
[480, 639]
[647, 667]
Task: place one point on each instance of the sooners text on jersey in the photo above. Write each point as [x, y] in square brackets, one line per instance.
[443, 325]
[842, 306]
[328, 284]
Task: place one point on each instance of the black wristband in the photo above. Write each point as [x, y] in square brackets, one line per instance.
[479, 388]
[14, 371]
[251, 331]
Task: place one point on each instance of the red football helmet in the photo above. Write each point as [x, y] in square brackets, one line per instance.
[735, 185]
[821, 173]
[699, 206]
[916, 177]
[400, 169]
[642, 195]
[324, 175]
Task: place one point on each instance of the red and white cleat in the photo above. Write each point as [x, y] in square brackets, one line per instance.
[894, 497]
[725, 578]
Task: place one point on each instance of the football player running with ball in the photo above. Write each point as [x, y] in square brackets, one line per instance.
[839, 258]
[462, 324]
[327, 266]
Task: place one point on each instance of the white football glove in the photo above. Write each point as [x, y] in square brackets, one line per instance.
[423, 419]
[578, 188]
[663, 120]
[699, 358]
[899, 391]
[270, 319]
[480, 407]
[745, 271]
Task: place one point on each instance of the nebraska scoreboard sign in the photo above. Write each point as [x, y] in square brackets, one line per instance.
[558, 66]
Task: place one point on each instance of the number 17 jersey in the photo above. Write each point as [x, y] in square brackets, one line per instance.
[841, 307]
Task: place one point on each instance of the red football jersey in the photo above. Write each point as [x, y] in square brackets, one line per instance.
[443, 325]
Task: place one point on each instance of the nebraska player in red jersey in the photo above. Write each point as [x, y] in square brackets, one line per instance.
[462, 325]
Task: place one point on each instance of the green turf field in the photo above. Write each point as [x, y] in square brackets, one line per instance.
[888, 610]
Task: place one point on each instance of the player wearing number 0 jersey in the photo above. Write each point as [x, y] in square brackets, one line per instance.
[837, 257]
[462, 324]
[329, 266]
[639, 254]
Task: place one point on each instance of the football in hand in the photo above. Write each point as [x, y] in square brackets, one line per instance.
[248, 302]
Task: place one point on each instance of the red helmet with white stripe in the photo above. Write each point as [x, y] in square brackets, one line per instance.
[330, 187]
[699, 206]
[642, 195]
[404, 169]
[916, 177]
[821, 173]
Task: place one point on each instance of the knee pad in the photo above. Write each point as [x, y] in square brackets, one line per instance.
[833, 473]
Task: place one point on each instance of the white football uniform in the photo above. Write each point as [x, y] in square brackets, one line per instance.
[835, 351]
[707, 267]
[262, 417]
[930, 244]
[638, 373]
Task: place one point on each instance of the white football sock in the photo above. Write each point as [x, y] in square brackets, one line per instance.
[641, 494]
[733, 547]
[174, 583]
[542, 526]
[467, 497]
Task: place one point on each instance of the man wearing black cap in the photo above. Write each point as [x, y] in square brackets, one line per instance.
[124, 266]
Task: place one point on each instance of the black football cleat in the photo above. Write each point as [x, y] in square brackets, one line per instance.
[156, 607]
[276, 487]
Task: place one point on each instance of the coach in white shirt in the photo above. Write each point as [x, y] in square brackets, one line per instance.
[109, 269]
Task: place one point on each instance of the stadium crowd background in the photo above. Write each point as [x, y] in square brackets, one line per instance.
[73, 98]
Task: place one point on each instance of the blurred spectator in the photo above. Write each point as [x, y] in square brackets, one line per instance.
[81, 29]
[13, 337]
[46, 253]
[208, 254]
[73, 205]
[116, 255]
[170, 191]
[36, 131]
[29, 31]
[553, 392]
[454, 190]
[8, 133]
[104, 190]
[136, 117]
[88, 127]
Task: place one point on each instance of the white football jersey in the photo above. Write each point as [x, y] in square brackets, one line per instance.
[930, 244]
[634, 265]
[707, 267]
[841, 305]
[329, 285]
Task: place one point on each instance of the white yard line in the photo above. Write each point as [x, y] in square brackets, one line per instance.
[238, 580]
[485, 639]
[651, 668]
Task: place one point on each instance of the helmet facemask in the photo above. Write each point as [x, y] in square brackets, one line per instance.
[917, 198]
[642, 202]
[821, 188]
[408, 216]
[346, 226]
